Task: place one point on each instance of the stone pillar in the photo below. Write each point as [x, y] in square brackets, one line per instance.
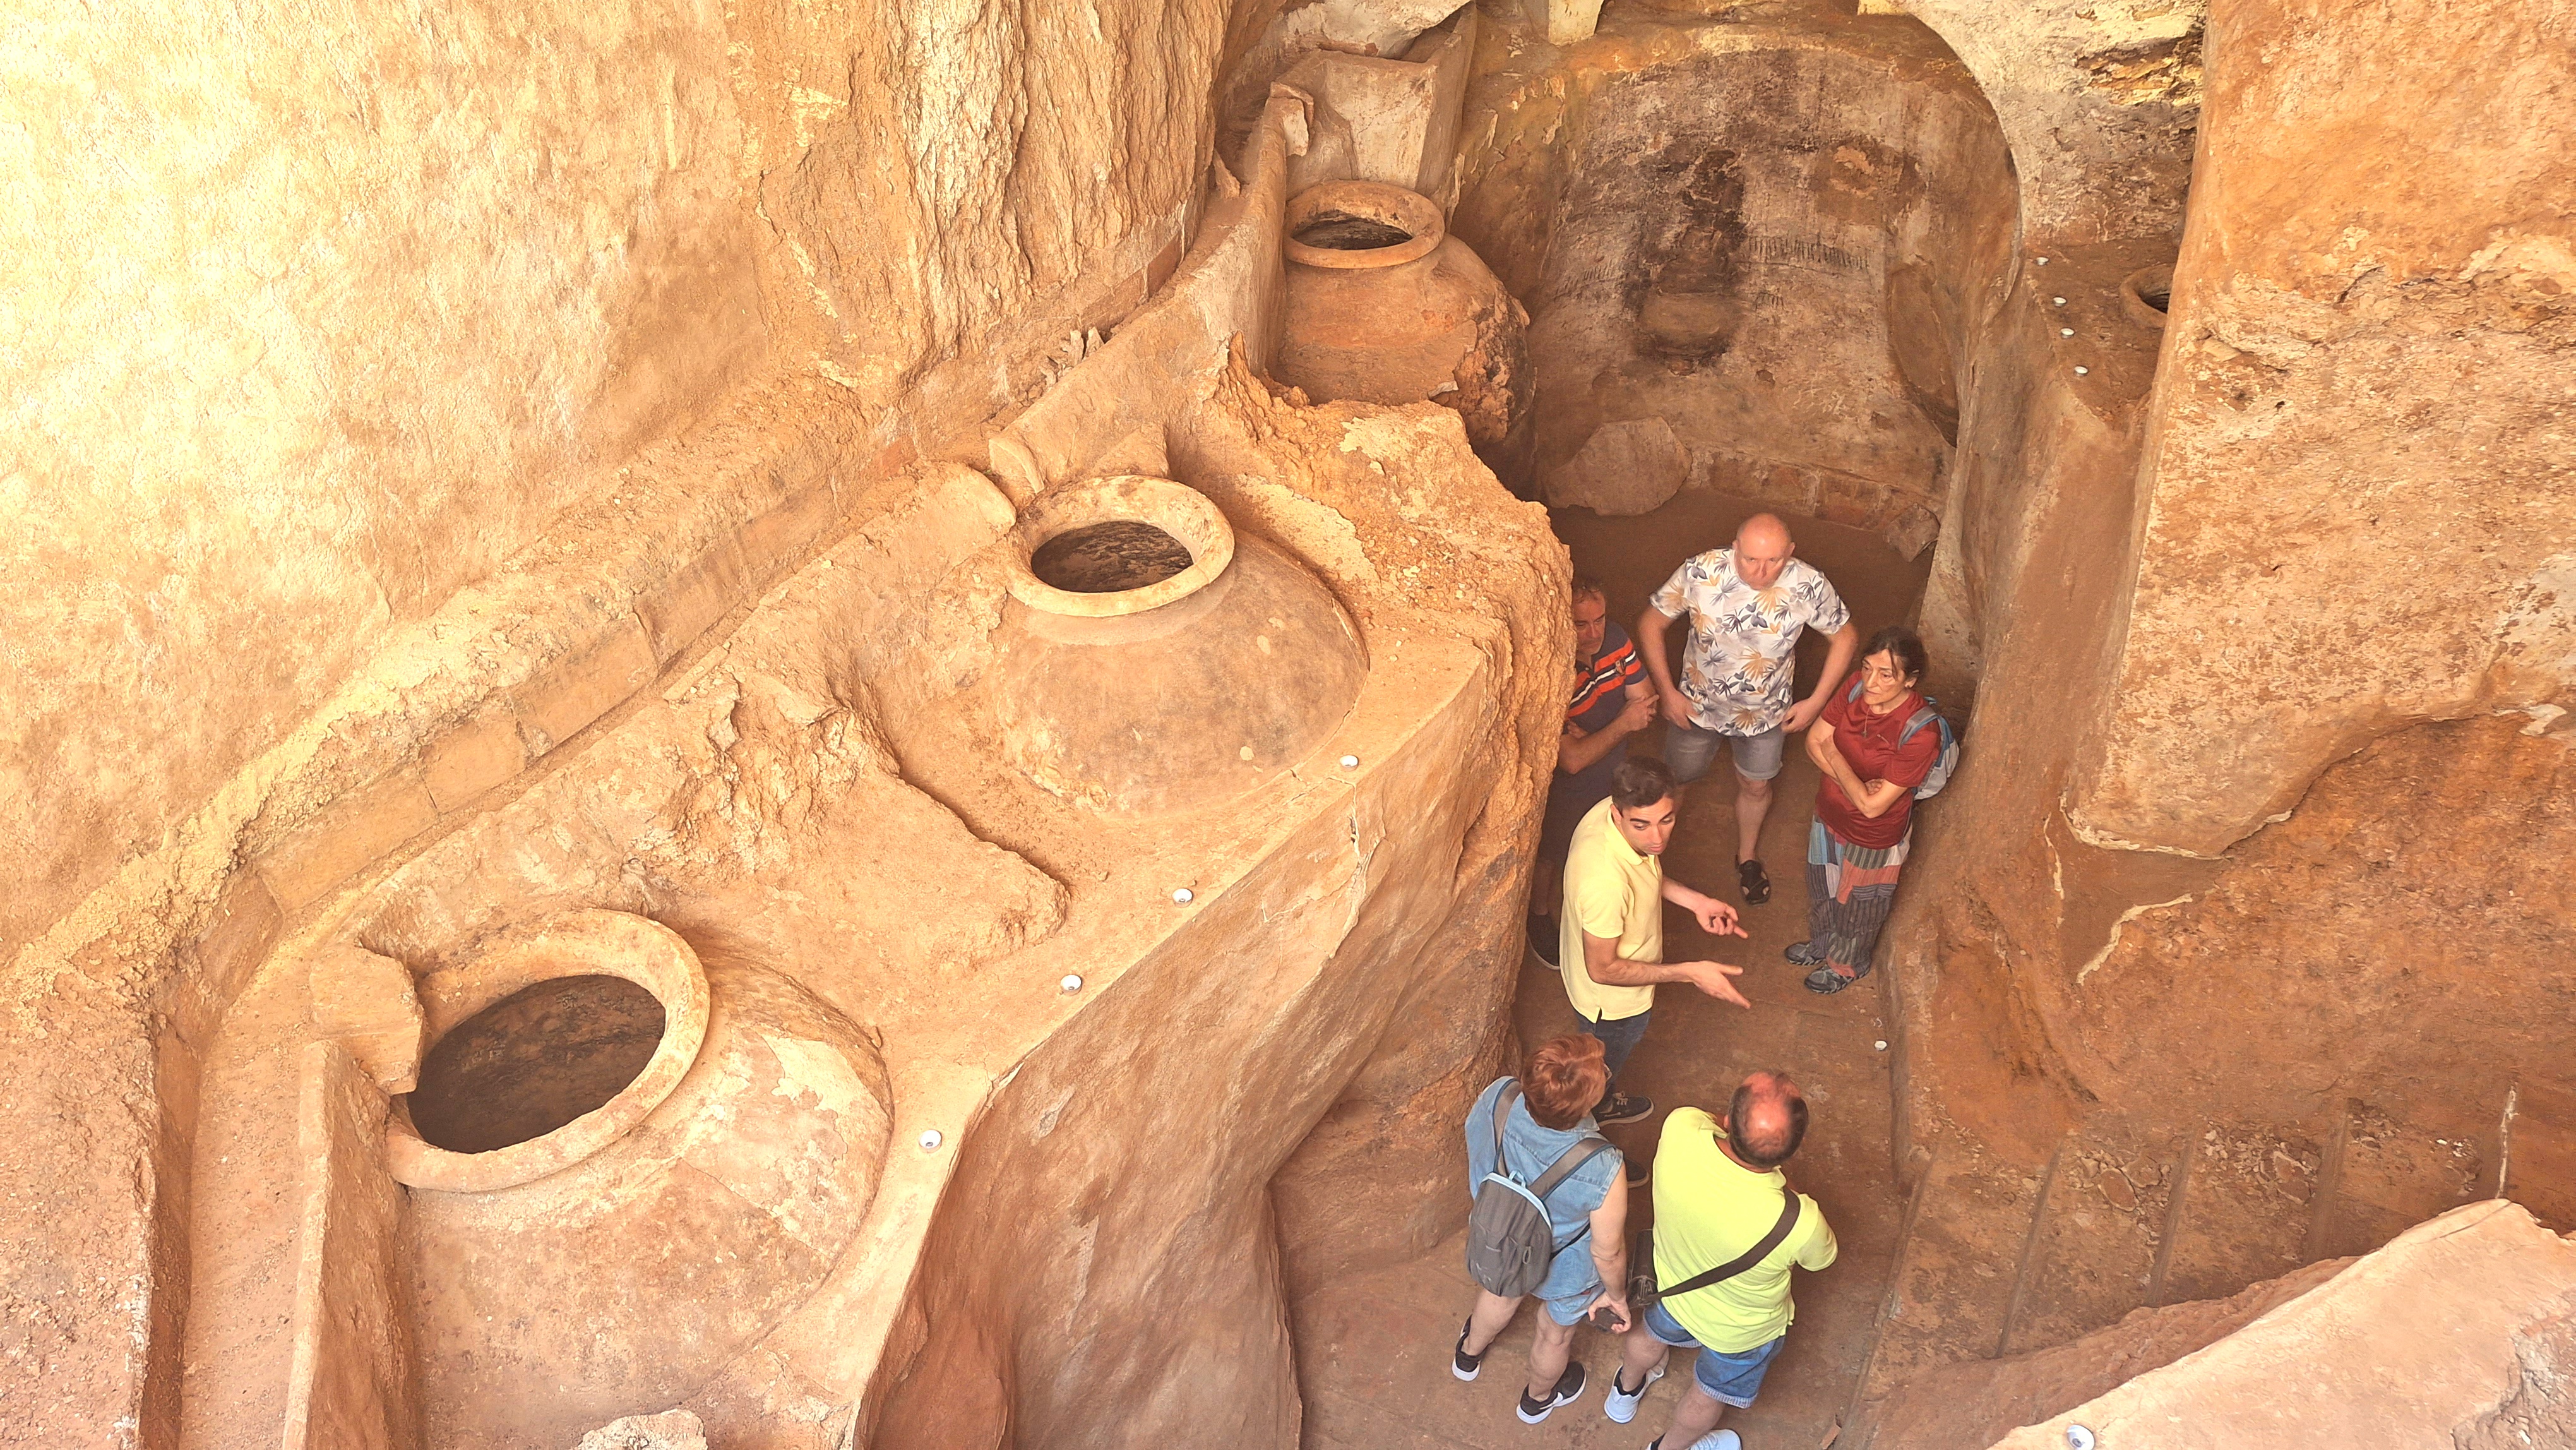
[2356, 502]
[1567, 21]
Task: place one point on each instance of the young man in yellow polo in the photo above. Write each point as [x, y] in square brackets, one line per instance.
[1719, 1198]
[1612, 925]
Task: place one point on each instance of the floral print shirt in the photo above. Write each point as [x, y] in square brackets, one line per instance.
[1743, 641]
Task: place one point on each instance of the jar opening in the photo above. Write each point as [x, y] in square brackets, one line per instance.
[534, 1061]
[1342, 231]
[1109, 557]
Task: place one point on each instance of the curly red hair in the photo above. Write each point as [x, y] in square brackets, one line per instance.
[1563, 1078]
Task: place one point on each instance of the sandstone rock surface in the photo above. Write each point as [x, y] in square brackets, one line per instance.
[2461, 1331]
[2363, 420]
[1628, 467]
[367, 1004]
[669, 1430]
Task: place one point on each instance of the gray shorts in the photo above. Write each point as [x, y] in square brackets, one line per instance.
[1690, 750]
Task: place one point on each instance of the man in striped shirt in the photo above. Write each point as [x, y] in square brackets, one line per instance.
[1612, 700]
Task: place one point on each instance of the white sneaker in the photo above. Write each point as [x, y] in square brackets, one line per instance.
[1720, 1440]
[1621, 1405]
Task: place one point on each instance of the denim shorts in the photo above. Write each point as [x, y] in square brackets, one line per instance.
[1690, 750]
[1730, 1379]
[1566, 1304]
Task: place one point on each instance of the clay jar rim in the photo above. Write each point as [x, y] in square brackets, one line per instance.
[1177, 509]
[2133, 294]
[1377, 201]
[575, 944]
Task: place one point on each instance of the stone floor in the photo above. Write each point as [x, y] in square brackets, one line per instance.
[1377, 1376]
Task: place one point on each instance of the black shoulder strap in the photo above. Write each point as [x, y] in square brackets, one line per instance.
[1566, 1162]
[1778, 1235]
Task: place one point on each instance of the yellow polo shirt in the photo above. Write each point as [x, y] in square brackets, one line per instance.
[1610, 891]
[1709, 1209]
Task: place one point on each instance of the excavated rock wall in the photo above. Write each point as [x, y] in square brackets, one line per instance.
[395, 396]
[1268, 1098]
[309, 327]
[2358, 491]
[2265, 847]
[1767, 237]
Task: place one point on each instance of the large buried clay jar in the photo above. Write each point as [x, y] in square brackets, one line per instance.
[1384, 306]
[1152, 660]
[626, 1167]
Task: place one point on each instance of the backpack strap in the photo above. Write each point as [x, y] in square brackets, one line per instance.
[1778, 1235]
[1914, 724]
[1566, 1162]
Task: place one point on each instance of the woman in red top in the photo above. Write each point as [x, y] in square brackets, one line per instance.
[1864, 808]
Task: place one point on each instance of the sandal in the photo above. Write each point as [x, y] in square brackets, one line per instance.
[1828, 981]
[1755, 881]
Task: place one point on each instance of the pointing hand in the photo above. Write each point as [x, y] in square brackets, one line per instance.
[1717, 918]
[1711, 977]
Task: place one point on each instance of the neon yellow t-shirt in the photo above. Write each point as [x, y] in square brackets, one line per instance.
[1709, 1209]
[1610, 891]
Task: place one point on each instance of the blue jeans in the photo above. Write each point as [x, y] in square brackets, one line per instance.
[1619, 1037]
[1730, 1379]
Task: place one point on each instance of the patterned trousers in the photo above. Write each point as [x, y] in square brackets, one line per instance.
[1849, 891]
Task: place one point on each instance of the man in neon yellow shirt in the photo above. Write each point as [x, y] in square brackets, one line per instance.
[1718, 1193]
[1612, 949]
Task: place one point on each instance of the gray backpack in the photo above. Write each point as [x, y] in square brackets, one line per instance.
[1510, 1240]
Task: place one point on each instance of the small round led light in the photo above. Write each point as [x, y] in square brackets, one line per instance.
[2079, 372]
[2066, 332]
[1071, 984]
[1350, 762]
[1181, 897]
[930, 1140]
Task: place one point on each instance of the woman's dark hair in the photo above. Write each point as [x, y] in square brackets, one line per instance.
[1902, 646]
[1640, 781]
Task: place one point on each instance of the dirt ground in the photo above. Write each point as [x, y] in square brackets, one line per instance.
[1373, 1361]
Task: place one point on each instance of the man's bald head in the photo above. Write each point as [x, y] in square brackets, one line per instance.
[1767, 1120]
[1762, 550]
[1767, 531]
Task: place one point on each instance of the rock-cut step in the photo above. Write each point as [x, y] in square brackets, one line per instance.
[2002, 1258]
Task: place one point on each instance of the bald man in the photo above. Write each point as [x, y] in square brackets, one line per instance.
[1719, 1194]
[1748, 604]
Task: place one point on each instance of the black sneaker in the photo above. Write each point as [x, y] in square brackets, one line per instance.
[1569, 1388]
[1828, 981]
[1637, 1173]
[1462, 1364]
[1804, 953]
[1755, 881]
[1622, 1108]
